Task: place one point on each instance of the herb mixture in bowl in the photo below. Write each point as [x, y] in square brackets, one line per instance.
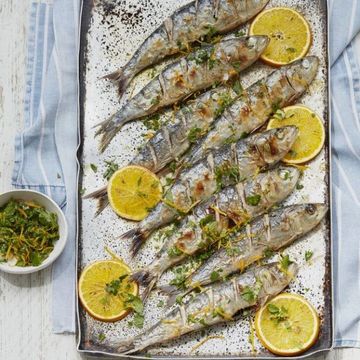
[27, 233]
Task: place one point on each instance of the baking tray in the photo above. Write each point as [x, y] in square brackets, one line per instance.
[110, 33]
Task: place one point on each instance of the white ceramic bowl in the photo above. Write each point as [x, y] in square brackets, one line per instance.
[49, 205]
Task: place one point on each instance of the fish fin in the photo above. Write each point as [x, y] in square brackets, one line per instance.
[149, 287]
[138, 236]
[101, 196]
[120, 78]
[108, 129]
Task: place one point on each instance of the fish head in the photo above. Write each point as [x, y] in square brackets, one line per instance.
[274, 279]
[256, 44]
[308, 215]
[302, 72]
[274, 144]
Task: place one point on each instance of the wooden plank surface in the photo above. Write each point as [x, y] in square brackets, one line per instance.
[25, 301]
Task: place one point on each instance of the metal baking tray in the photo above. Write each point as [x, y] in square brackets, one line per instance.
[110, 33]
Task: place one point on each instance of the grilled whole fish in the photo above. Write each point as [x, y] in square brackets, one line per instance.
[269, 232]
[226, 166]
[187, 24]
[257, 104]
[172, 140]
[199, 70]
[209, 220]
[216, 304]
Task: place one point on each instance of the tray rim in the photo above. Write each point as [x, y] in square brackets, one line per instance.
[84, 26]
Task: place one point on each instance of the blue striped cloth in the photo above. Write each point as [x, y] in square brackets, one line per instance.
[46, 149]
[45, 152]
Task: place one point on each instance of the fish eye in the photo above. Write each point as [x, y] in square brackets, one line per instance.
[310, 209]
[280, 134]
[306, 63]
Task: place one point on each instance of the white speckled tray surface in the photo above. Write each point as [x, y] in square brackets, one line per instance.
[110, 35]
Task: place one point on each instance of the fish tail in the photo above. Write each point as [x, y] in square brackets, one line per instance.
[146, 278]
[138, 236]
[101, 196]
[121, 78]
[108, 129]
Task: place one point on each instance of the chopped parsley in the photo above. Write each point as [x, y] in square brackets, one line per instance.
[228, 171]
[206, 220]
[174, 252]
[291, 49]
[200, 56]
[285, 262]
[279, 114]
[28, 232]
[248, 295]
[111, 167]
[113, 286]
[214, 276]
[237, 87]
[134, 302]
[153, 123]
[299, 186]
[160, 304]
[240, 33]
[101, 336]
[173, 166]
[253, 200]
[224, 101]
[194, 134]
[308, 255]
[278, 314]
[275, 106]
[94, 168]
[268, 253]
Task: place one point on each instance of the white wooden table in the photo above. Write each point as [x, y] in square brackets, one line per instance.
[25, 301]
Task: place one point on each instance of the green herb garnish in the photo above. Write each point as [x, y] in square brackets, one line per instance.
[285, 262]
[194, 134]
[253, 199]
[101, 337]
[111, 167]
[308, 255]
[278, 314]
[153, 123]
[113, 286]
[174, 252]
[27, 232]
[93, 168]
[224, 101]
[248, 295]
[135, 303]
[214, 276]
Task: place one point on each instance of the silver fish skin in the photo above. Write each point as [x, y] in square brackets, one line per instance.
[216, 304]
[256, 104]
[199, 70]
[271, 187]
[280, 88]
[187, 24]
[226, 166]
[272, 231]
[173, 139]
